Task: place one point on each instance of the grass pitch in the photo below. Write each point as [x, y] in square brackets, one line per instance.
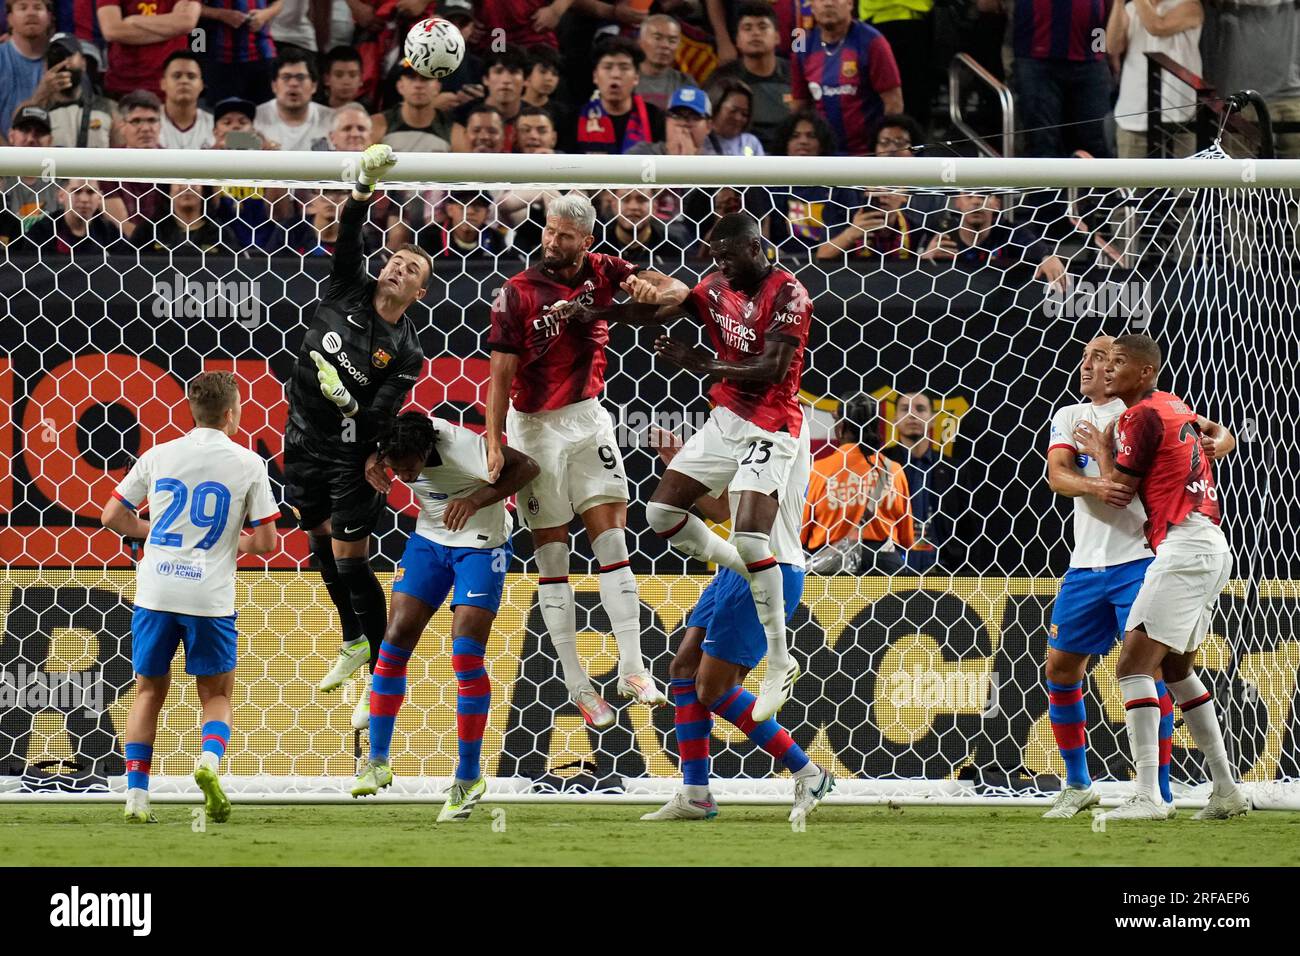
[611, 835]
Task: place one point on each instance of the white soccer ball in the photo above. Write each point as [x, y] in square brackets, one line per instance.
[434, 48]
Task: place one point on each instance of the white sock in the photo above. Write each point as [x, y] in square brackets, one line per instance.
[136, 796]
[768, 586]
[1197, 705]
[809, 769]
[209, 759]
[618, 594]
[1142, 720]
[691, 536]
[555, 594]
[695, 793]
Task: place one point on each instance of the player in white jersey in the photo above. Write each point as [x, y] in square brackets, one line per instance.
[1107, 566]
[724, 640]
[200, 490]
[461, 545]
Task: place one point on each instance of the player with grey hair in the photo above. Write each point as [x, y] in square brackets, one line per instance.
[547, 373]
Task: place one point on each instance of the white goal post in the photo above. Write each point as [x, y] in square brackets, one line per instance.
[921, 685]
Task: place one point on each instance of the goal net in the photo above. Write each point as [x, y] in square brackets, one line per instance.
[956, 314]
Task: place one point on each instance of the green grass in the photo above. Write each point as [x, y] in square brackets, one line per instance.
[542, 834]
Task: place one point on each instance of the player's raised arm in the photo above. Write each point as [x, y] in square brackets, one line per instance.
[655, 299]
[770, 365]
[349, 264]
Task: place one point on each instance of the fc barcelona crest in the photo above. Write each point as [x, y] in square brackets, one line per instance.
[849, 69]
[380, 359]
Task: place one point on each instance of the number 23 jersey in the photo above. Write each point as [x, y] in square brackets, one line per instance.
[201, 489]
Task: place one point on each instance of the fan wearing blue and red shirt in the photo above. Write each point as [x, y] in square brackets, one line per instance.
[849, 74]
[1155, 450]
[1062, 81]
[240, 48]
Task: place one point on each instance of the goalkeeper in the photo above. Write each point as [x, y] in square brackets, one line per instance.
[356, 364]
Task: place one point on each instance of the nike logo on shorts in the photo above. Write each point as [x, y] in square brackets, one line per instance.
[480, 594]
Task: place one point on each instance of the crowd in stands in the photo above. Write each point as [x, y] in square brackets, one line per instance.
[664, 77]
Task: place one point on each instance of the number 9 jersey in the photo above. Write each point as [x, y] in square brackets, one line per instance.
[200, 489]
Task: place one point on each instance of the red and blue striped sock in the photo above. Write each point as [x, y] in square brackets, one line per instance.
[216, 738]
[139, 758]
[737, 706]
[387, 691]
[1166, 739]
[693, 725]
[1068, 716]
[473, 700]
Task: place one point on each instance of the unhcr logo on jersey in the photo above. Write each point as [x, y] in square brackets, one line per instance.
[183, 298]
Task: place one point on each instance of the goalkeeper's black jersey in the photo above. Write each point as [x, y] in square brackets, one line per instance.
[377, 362]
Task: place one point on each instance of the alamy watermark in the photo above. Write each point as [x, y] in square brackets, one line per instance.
[1126, 300]
[952, 690]
[29, 688]
[238, 299]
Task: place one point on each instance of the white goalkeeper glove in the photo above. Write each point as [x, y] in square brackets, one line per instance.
[376, 161]
[332, 387]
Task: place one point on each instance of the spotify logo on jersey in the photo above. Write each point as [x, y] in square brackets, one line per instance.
[332, 342]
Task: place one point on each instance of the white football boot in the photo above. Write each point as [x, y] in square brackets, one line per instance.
[1224, 807]
[682, 807]
[1071, 801]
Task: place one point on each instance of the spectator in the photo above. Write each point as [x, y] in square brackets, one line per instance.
[857, 517]
[634, 234]
[766, 74]
[733, 105]
[689, 129]
[1256, 46]
[929, 477]
[83, 227]
[541, 83]
[234, 115]
[908, 26]
[504, 79]
[184, 125]
[352, 129]
[524, 22]
[467, 230]
[187, 230]
[341, 81]
[29, 204]
[317, 233]
[291, 118]
[803, 216]
[1139, 27]
[22, 56]
[888, 226]
[979, 236]
[485, 131]
[848, 73]
[240, 51]
[303, 26]
[138, 43]
[78, 115]
[535, 131]
[616, 118]
[660, 36]
[414, 125]
[137, 206]
[1060, 78]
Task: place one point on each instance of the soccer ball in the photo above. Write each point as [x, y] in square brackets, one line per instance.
[434, 48]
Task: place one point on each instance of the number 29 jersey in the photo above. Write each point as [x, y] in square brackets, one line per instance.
[201, 489]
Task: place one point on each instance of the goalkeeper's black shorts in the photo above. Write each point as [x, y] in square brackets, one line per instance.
[317, 488]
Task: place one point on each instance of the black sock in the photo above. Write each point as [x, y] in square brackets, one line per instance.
[367, 601]
[323, 552]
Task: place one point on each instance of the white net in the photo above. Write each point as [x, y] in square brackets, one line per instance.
[924, 652]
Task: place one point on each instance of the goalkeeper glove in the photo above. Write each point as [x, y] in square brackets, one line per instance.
[375, 162]
[332, 387]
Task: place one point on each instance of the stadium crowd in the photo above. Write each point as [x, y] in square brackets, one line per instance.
[680, 77]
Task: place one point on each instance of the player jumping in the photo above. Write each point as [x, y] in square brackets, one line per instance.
[723, 642]
[758, 316]
[200, 490]
[548, 371]
[1107, 565]
[356, 364]
[1155, 449]
[461, 545]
